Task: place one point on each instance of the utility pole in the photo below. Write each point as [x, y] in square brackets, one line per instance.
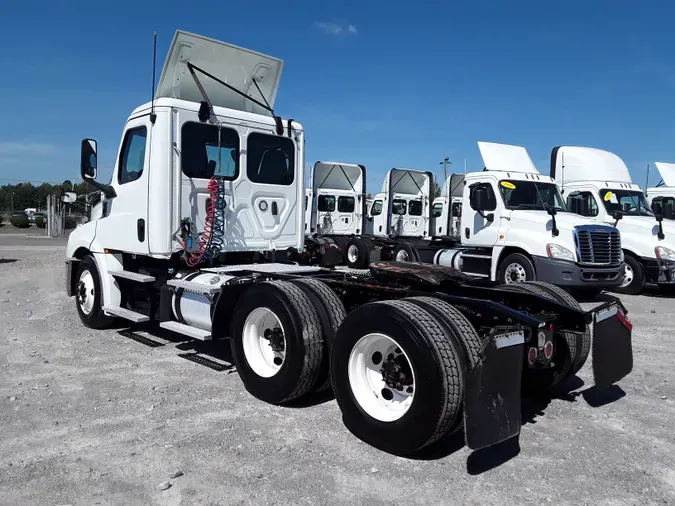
[446, 161]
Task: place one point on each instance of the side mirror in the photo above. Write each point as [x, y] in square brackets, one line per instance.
[88, 160]
[479, 198]
[657, 207]
[68, 197]
[668, 210]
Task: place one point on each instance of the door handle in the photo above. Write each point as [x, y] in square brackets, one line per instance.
[275, 209]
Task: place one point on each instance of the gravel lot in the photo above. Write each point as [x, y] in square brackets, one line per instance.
[106, 417]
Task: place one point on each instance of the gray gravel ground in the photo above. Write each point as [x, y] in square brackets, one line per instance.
[102, 418]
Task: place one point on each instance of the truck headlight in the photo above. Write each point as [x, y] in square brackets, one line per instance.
[559, 252]
[663, 253]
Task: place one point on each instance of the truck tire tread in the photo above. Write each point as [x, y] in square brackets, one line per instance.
[332, 312]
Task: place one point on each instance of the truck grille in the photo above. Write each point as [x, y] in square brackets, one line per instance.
[598, 245]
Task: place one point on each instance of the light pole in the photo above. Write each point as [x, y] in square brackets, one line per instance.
[446, 161]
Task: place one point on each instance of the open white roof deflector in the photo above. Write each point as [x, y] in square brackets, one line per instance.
[576, 163]
[339, 176]
[505, 157]
[667, 171]
[236, 66]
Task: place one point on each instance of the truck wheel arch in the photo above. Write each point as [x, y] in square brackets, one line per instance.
[80, 253]
[508, 250]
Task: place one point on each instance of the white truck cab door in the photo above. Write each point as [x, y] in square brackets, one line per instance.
[378, 213]
[476, 229]
[125, 226]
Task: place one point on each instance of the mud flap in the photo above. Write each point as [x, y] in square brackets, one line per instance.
[492, 393]
[612, 346]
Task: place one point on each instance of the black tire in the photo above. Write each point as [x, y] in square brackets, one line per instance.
[639, 277]
[96, 319]
[457, 327]
[582, 343]
[437, 363]
[362, 249]
[407, 250]
[331, 312]
[565, 350]
[303, 341]
[519, 259]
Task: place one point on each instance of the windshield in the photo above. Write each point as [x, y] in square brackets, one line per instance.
[531, 195]
[630, 203]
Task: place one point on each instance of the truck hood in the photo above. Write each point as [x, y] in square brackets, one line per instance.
[646, 224]
[564, 221]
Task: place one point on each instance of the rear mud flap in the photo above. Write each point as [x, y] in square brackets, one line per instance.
[492, 393]
[612, 346]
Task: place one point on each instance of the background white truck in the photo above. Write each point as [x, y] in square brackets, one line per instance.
[202, 213]
[371, 229]
[515, 227]
[598, 186]
[662, 196]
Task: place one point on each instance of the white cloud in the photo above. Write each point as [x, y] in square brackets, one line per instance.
[335, 29]
[8, 148]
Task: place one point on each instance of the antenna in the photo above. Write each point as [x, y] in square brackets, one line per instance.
[647, 182]
[153, 116]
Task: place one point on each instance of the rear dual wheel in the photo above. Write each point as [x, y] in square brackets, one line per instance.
[398, 373]
[281, 336]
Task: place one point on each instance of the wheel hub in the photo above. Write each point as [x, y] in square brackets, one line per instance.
[396, 372]
[276, 338]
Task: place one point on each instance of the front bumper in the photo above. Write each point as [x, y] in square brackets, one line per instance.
[564, 273]
[659, 271]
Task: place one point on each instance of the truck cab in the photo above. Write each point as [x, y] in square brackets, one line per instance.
[515, 227]
[662, 196]
[402, 208]
[338, 199]
[597, 185]
[446, 210]
[203, 171]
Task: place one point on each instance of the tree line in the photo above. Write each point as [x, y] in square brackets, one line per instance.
[18, 197]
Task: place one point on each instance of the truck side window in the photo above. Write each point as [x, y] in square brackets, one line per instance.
[326, 203]
[346, 204]
[377, 208]
[132, 160]
[200, 156]
[415, 208]
[591, 207]
[437, 210]
[270, 159]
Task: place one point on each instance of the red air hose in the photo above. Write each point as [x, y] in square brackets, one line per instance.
[205, 239]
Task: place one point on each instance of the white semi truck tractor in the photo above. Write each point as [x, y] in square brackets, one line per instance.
[201, 233]
[598, 186]
[515, 227]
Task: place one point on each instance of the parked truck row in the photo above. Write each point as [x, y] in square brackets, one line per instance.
[200, 231]
[585, 227]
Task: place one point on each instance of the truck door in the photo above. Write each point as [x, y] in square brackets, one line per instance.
[477, 229]
[125, 228]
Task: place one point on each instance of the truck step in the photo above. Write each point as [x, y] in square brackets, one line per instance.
[127, 314]
[269, 268]
[186, 330]
[191, 286]
[477, 274]
[476, 255]
[134, 276]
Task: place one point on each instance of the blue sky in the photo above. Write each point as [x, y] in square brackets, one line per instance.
[383, 83]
